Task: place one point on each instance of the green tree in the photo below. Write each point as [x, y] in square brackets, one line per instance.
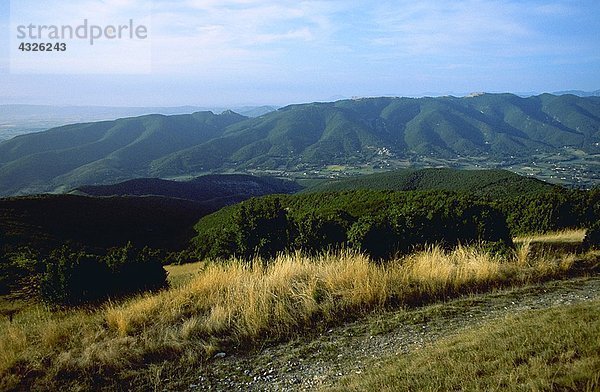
[314, 232]
[262, 228]
[374, 236]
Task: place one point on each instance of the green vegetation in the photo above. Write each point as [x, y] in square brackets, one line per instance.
[551, 211]
[493, 184]
[382, 223]
[215, 190]
[375, 222]
[530, 205]
[101, 152]
[592, 237]
[74, 278]
[493, 130]
[148, 212]
[544, 350]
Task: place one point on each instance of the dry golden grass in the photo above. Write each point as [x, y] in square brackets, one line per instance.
[236, 305]
[179, 274]
[563, 236]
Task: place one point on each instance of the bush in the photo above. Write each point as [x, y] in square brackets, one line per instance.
[262, 229]
[76, 277]
[592, 237]
[550, 211]
[374, 236]
[135, 271]
[313, 232]
[19, 270]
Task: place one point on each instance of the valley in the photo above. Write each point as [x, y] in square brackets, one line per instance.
[556, 138]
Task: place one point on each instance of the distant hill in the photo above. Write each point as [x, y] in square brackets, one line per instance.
[491, 183]
[101, 152]
[22, 119]
[300, 137]
[218, 190]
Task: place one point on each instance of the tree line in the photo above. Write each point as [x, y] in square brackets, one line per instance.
[385, 223]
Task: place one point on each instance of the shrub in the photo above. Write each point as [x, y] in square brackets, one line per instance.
[76, 277]
[377, 223]
[73, 278]
[19, 270]
[592, 237]
[262, 229]
[314, 233]
[134, 270]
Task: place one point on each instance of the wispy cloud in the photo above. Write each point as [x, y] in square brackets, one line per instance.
[434, 28]
[200, 33]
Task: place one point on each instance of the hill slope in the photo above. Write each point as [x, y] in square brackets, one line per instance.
[215, 189]
[301, 137]
[101, 152]
[49, 221]
[492, 183]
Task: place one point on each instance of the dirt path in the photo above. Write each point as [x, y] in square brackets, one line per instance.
[306, 365]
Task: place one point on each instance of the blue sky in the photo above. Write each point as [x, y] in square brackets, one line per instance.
[233, 52]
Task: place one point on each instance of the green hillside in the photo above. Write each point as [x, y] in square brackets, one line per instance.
[490, 183]
[102, 152]
[370, 132]
[396, 212]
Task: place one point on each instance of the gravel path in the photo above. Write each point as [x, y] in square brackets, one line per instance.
[306, 365]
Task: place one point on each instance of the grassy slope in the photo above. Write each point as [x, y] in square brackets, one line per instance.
[237, 307]
[555, 349]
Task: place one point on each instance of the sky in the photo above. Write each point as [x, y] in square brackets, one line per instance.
[263, 52]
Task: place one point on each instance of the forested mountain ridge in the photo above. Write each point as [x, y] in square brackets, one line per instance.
[215, 189]
[101, 152]
[299, 138]
[489, 183]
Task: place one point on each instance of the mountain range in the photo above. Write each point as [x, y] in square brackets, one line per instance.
[22, 119]
[297, 138]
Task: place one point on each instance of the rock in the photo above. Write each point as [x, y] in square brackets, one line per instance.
[220, 355]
